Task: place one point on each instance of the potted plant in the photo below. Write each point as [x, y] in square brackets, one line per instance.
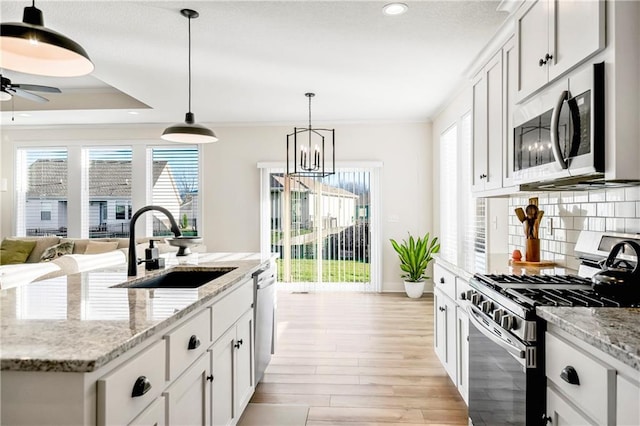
[415, 256]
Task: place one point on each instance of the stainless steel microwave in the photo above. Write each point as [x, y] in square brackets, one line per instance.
[559, 134]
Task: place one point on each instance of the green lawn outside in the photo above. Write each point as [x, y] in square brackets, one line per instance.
[304, 270]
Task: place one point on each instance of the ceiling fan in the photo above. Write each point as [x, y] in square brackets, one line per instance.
[8, 90]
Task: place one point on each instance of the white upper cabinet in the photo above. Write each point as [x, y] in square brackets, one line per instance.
[488, 131]
[554, 36]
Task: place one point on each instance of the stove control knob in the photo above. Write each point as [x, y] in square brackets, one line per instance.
[466, 295]
[497, 315]
[486, 306]
[476, 299]
[506, 322]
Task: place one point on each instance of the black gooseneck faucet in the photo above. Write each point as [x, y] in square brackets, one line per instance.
[133, 258]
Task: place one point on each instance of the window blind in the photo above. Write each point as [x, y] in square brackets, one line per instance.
[449, 194]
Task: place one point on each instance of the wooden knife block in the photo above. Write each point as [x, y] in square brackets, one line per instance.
[532, 250]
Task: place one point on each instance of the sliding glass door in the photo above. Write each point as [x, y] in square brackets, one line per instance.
[323, 229]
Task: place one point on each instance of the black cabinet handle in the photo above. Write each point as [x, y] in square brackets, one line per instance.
[546, 419]
[545, 60]
[210, 378]
[441, 280]
[194, 342]
[238, 344]
[441, 309]
[140, 387]
[570, 375]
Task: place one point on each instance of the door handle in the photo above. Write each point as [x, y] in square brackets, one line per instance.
[555, 131]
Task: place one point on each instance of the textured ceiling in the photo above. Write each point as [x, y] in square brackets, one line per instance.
[253, 61]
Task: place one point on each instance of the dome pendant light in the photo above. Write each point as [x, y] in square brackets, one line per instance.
[189, 131]
[32, 48]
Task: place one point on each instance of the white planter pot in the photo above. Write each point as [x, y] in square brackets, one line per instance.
[414, 289]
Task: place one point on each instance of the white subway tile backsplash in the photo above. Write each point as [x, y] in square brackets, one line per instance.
[615, 194]
[605, 209]
[632, 194]
[616, 210]
[625, 209]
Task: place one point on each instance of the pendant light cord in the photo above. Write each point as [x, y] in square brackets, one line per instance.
[309, 112]
[189, 63]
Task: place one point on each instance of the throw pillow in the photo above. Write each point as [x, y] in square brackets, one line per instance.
[97, 247]
[15, 251]
[57, 251]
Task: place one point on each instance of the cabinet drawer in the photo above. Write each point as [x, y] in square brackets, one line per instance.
[153, 415]
[561, 412]
[445, 281]
[596, 380]
[187, 342]
[227, 311]
[116, 403]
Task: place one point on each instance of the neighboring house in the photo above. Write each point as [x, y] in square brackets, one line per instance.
[337, 206]
[110, 208]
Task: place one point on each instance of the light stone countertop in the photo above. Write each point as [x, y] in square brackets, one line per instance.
[499, 264]
[615, 331]
[79, 323]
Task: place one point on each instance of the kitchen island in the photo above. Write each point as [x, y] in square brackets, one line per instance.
[592, 362]
[74, 347]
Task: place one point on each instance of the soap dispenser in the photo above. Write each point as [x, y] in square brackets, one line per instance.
[152, 257]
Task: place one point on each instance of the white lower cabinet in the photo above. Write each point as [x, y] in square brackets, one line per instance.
[189, 397]
[462, 352]
[232, 367]
[445, 331]
[153, 415]
[562, 413]
[586, 386]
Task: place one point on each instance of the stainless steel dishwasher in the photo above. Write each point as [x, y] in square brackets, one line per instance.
[264, 318]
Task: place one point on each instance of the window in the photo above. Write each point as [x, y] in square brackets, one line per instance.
[45, 211]
[98, 202]
[174, 185]
[462, 217]
[110, 178]
[41, 191]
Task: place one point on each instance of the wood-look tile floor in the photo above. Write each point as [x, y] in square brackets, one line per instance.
[360, 359]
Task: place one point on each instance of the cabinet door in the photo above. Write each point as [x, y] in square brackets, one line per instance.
[222, 370]
[462, 352]
[479, 146]
[189, 397]
[244, 368]
[627, 402]
[561, 412]
[445, 328]
[495, 132]
[532, 37]
[577, 31]
[509, 87]
[153, 415]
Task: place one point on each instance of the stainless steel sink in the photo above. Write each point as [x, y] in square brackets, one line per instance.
[179, 279]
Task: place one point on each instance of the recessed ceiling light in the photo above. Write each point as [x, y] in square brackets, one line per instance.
[392, 9]
[133, 112]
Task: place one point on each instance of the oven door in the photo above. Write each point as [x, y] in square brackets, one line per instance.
[506, 382]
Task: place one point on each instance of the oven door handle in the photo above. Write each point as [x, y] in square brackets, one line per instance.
[555, 131]
[489, 334]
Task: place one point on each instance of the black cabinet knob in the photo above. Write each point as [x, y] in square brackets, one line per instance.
[570, 375]
[442, 308]
[541, 62]
[194, 342]
[238, 344]
[210, 378]
[483, 176]
[546, 419]
[441, 280]
[141, 386]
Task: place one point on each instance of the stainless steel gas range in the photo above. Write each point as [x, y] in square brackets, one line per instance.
[506, 338]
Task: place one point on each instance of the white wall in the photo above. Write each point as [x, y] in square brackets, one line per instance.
[230, 177]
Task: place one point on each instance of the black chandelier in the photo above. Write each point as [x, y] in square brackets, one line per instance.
[313, 155]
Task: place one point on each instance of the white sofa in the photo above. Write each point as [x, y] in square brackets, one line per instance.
[33, 270]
